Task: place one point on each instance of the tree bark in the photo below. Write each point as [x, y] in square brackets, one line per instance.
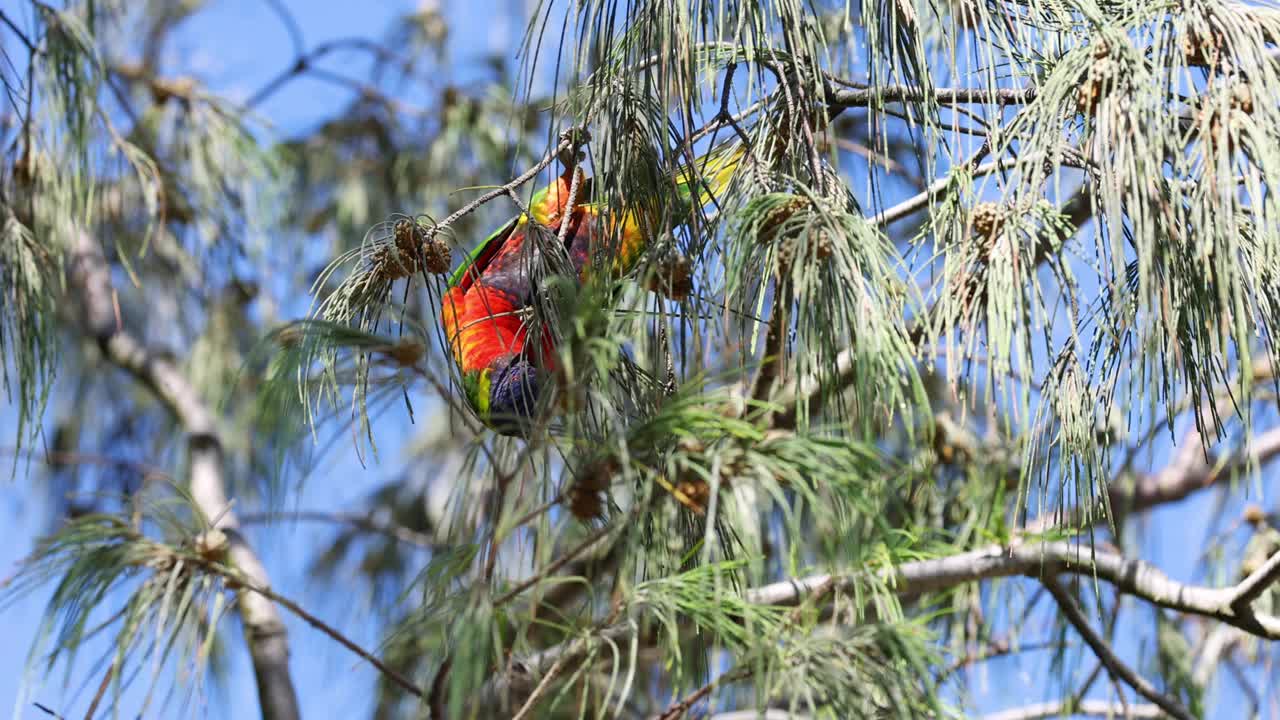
[264, 629]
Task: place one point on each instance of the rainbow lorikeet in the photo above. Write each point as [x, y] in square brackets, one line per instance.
[486, 310]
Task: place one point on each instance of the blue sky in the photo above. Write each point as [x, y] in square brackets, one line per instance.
[235, 46]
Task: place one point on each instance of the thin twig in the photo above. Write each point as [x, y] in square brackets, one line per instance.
[545, 683]
[31, 46]
[358, 520]
[844, 98]
[239, 578]
[102, 691]
[566, 140]
[550, 569]
[678, 709]
[1106, 655]
[1092, 708]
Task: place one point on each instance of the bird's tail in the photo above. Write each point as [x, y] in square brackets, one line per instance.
[709, 175]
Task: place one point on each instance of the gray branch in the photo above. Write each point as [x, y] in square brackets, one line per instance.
[1107, 656]
[264, 629]
[1045, 560]
[1089, 708]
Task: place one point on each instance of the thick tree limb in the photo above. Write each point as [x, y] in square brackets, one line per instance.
[264, 629]
[1129, 576]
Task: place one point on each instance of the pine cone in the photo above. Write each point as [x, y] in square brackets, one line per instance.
[407, 234]
[696, 492]
[822, 245]
[786, 255]
[988, 219]
[1202, 48]
[1100, 80]
[407, 352]
[769, 228]
[1254, 515]
[436, 256]
[389, 264]
[586, 495]
[673, 277]
[1242, 98]
[212, 545]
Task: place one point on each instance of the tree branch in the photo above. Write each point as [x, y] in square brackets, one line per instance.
[1255, 584]
[857, 97]
[1114, 664]
[361, 521]
[1091, 708]
[1130, 576]
[1189, 472]
[264, 630]
[237, 575]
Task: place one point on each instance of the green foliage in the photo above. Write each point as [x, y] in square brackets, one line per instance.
[169, 604]
[1087, 249]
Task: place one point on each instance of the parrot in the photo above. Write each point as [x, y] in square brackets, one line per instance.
[488, 299]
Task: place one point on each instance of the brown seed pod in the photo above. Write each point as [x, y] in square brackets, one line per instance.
[212, 545]
[586, 495]
[407, 352]
[389, 264]
[673, 277]
[786, 255]
[988, 219]
[1255, 515]
[1242, 98]
[821, 244]
[1202, 46]
[1219, 130]
[406, 234]
[694, 493]
[436, 256]
[1099, 81]
[779, 215]
[585, 504]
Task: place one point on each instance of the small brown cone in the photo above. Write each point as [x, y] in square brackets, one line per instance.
[586, 495]
[436, 257]
[694, 493]
[1255, 515]
[1101, 77]
[407, 352]
[212, 545]
[673, 277]
[988, 219]
[1242, 98]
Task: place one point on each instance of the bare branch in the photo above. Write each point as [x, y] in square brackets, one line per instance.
[1189, 472]
[238, 576]
[1255, 584]
[264, 629]
[1130, 576]
[845, 98]
[680, 708]
[362, 521]
[1114, 664]
[1087, 708]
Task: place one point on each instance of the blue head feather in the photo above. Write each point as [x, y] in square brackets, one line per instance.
[513, 395]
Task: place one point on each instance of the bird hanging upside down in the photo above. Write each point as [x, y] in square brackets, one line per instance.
[486, 310]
